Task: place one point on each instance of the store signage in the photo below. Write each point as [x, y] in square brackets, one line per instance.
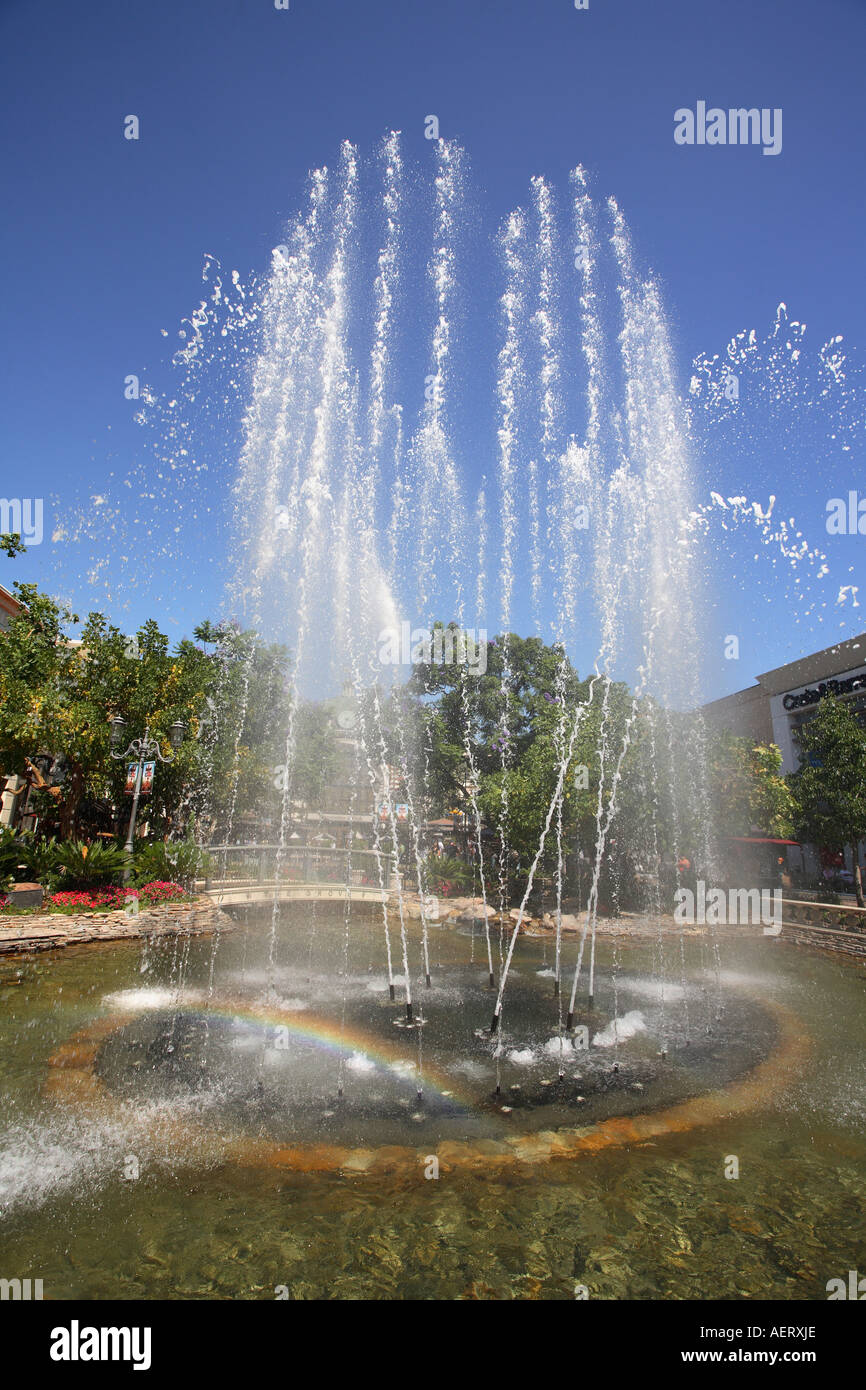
[814, 694]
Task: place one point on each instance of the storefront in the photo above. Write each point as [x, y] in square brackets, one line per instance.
[785, 698]
[781, 702]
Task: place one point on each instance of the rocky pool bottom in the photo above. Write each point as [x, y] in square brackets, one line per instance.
[138, 1077]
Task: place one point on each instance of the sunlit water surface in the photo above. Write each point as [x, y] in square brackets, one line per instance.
[199, 1061]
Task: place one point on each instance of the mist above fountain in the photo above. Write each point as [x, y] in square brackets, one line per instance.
[391, 476]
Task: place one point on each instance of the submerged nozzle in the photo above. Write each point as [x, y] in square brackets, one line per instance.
[408, 1012]
[569, 1022]
[391, 991]
[495, 1024]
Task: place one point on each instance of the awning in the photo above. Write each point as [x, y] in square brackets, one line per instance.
[758, 840]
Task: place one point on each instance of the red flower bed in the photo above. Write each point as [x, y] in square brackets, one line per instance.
[161, 891]
[91, 897]
[86, 899]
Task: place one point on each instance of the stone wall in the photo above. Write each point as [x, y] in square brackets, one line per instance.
[850, 943]
[50, 931]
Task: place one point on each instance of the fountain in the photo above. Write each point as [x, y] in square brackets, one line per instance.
[356, 520]
[391, 478]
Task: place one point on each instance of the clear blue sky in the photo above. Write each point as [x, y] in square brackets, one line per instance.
[102, 238]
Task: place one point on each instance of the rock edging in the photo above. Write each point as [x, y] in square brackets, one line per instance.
[849, 943]
[51, 931]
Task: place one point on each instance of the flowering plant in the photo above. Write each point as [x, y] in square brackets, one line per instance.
[162, 891]
[86, 899]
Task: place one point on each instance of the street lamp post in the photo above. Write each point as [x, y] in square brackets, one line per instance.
[144, 750]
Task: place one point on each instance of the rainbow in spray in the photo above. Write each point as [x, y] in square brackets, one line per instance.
[359, 1051]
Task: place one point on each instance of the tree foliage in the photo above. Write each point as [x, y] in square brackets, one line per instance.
[829, 788]
[630, 771]
[58, 694]
[747, 789]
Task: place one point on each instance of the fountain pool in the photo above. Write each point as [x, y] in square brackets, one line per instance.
[166, 1140]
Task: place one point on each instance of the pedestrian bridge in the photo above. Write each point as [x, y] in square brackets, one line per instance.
[249, 874]
[232, 894]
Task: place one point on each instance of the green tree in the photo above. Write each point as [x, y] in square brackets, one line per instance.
[634, 773]
[747, 789]
[519, 715]
[314, 764]
[829, 788]
[58, 695]
[508, 706]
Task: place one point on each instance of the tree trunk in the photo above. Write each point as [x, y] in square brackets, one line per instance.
[858, 880]
[71, 801]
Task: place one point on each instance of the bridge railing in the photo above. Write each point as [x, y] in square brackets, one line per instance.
[259, 864]
[805, 913]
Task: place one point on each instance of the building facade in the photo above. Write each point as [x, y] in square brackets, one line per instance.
[783, 699]
[9, 606]
[786, 698]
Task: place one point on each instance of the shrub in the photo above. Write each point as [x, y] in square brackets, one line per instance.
[40, 856]
[11, 853]
[448, 875]
[175, 861]
[84, 865]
